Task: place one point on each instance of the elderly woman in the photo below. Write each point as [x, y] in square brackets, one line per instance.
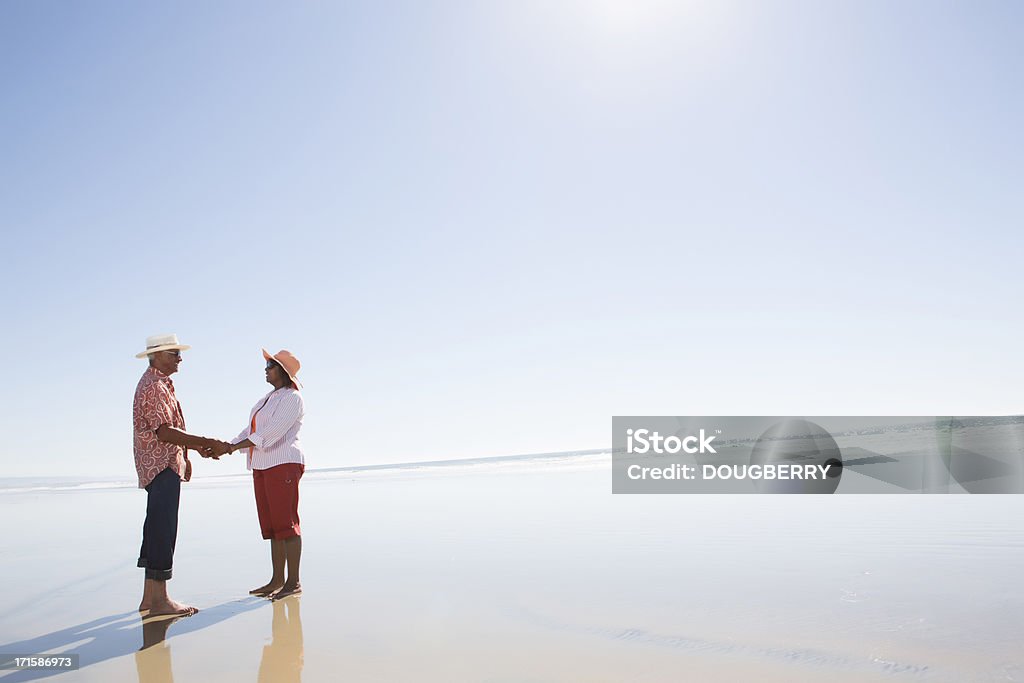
[273, 453]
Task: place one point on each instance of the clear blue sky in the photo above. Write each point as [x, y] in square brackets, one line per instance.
[485, 228]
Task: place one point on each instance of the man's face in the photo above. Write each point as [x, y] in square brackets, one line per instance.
[167, 361]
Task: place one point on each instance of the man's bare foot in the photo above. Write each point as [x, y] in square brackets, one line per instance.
[145, 606]
[271, 587]
[287, 590]
[171, 607]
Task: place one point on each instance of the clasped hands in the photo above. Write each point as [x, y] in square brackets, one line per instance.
[214, 448]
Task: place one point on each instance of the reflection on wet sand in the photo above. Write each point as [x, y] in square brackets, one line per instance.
[282, 658]
[153, 660]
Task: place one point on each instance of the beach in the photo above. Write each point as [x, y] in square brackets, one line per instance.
[523, 570]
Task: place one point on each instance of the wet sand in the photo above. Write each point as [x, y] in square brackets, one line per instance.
[527, 573]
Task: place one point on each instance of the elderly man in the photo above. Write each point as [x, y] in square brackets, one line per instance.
[161, 460]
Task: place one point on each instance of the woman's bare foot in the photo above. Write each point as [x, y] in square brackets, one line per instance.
[171, 607]
[271, 587]
[287, 590]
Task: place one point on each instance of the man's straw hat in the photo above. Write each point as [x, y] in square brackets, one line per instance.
[162, 342]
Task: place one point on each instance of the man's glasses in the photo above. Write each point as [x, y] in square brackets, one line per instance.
[174, 354]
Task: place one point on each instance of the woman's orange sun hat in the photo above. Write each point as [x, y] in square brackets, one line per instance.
[287, 361]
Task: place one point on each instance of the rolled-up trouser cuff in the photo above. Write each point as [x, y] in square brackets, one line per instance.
[156, 574]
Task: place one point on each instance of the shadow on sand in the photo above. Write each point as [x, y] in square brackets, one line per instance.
[119, 635]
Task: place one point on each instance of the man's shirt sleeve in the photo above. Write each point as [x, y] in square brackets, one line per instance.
[153, 408]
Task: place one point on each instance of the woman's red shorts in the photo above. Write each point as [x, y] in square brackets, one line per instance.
[277, 499]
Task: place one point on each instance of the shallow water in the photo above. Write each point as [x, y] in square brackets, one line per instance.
[533, 572]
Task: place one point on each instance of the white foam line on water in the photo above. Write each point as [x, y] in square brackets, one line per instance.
[544, 462]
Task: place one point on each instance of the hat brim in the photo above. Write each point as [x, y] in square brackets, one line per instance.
[267, 356]
[166, 347]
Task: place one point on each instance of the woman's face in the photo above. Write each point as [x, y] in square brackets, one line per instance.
[274, 372]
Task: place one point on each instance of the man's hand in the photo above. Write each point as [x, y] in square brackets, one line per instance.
[188, 470]
[214, 448]
[205, 447]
